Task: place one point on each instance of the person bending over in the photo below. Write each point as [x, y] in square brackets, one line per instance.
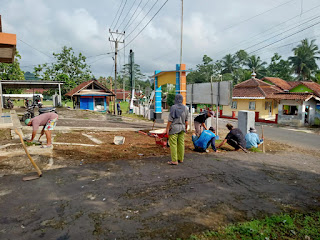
[206, 138]
[234, 138]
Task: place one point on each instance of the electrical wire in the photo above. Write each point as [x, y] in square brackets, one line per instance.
[115, 17]
[124, 28]
[143, 18]
[147, 23]
[263, 33]
[286, 37]
[35, 48]
[127, 13]
[120, 14]
[282, 33]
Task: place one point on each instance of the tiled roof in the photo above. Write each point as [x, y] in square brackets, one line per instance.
[284, 85]
[254, 88]
[292, 96]
[315, 87]
[86, 84]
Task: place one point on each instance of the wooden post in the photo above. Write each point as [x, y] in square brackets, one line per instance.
[263, 144]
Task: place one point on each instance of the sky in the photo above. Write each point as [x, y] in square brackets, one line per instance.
[153, 29]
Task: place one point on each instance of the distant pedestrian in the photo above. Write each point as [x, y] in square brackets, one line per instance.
[176, 129]
[252, 139]
[234, 138]
[48, 121]
[119, 108]
[200, 122]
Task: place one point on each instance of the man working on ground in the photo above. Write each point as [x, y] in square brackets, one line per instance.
[252, 139]
[234, 138]
[199, 122]
[206, 138]
[48, 121]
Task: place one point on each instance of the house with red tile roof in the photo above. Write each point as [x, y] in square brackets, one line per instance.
[91, 95]
[293, 103]
[254, 95]
[298, 103]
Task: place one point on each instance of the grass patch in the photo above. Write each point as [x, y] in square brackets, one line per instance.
[254, 149]
[283, 226]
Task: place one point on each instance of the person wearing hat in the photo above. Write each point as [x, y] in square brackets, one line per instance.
[252, 138]
[206, 138]
[48, 121]
[199, 122]
[234, 138]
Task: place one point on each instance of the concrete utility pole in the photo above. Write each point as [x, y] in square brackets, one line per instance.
[116, 41]
[181, 41]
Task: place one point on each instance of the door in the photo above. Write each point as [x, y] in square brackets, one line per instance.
[307, 114]
[84, 103]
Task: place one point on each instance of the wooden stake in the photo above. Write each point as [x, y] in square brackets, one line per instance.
[263, 144]
[25, 149]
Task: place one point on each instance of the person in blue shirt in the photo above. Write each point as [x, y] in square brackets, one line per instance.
[206, 138]
[252, 139]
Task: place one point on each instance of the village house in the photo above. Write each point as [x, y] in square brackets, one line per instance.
[299, 102]
[276, 100]
[253, 95]
[91, 95]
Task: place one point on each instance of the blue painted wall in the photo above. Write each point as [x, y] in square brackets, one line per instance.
[158, 97]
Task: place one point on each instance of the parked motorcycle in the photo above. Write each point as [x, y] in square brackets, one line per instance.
[9, 104]
[29, 113]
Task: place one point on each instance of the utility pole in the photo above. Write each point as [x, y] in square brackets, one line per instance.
[116, 41]
[132, 80]
[181, 42]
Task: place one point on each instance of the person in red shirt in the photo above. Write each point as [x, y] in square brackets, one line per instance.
[48, 121]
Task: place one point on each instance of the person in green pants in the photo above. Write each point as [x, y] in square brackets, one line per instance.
[176, 128]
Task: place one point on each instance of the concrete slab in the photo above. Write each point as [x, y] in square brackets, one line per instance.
[5, 120]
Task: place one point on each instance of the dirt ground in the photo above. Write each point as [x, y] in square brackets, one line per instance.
[107, 191]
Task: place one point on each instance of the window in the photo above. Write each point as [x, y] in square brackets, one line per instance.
[252, 105]
[290, 110]
[234, 105]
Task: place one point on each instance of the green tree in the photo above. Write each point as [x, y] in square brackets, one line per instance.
[279, 68]
[69, 68]
[203, 71]
[304, 60]
[229, 64]
[241, 57]
[255, 64]
[12, 71]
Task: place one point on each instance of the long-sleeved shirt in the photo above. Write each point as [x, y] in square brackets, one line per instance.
[252, 140]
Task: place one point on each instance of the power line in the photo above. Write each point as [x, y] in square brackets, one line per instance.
[147, 23]
[282, 33]
[115, 17]
[137, 15]
[286, 37]
[248, 19]
[120, 13]
[264, 32]
[35, 48]
[132, 15]
[127, 13]
[143, 18]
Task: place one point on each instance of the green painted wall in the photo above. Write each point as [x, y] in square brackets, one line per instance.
[301, 89]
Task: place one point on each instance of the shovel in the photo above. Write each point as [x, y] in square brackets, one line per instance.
[28, 178]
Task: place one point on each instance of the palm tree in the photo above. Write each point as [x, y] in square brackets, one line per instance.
[304, 60]
[229, 64]
[255, 64]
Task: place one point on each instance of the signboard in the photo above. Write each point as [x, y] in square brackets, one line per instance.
[210, 93]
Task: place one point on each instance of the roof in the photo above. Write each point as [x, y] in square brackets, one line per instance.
[13, 84]
[294, 96]
[120, 94]
[284, 85]
[82, 86]
[254, 88]
[315, 87]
